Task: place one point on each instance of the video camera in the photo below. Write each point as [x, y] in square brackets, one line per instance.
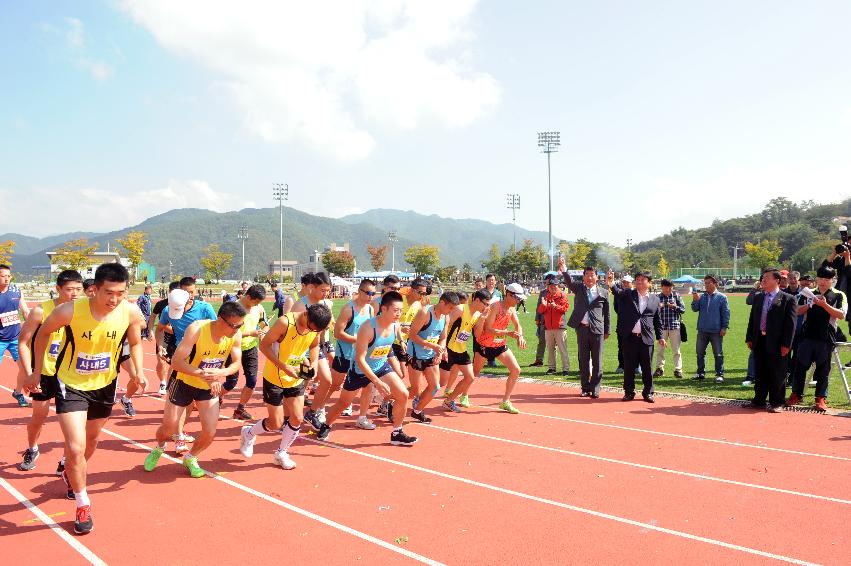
[844, 244]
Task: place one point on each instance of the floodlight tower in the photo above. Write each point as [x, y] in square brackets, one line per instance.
[281, 192]
[391, 235]
[513, 202]
[549, 143]
[242, 235]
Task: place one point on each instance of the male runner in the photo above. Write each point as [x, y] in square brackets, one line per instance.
[388, 284]
[491, 339]
[87, 370]
[413, 298]
[11, 301]
[284, 378]
[427, 345]
[165, 352]
[253, 329]
[374, 343]
[209, 352]
[461, 323]
[318, 288]
[69, 286]
[352, 316]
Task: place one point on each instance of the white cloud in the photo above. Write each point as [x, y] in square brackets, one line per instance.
[329, 73]
[98, 210]
[74, 34]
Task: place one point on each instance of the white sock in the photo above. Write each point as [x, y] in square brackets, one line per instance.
[288, 436]
[397, 429]
[34, 447]
[82, 498]
[188, 456]
[258, 428]
[62, 461]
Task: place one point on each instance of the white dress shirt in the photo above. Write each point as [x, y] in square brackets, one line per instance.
[592, 293]
[642, 304]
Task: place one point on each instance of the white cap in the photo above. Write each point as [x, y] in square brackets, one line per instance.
[517, 290]
[627, 278]
[177, 300]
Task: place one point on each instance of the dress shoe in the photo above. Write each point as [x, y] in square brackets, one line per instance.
[777, 409]
[649, 398]
[536, 363]
[678, 374]
[659, 372]
[756, 405]
[595, 395]
[628, 397]
[585, 394]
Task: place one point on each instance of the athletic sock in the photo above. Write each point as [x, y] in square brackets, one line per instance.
[82, 498]
[288, 436]
[62, 461]
[34, 448]
[258, 428]
[188, 456]
[397, 429]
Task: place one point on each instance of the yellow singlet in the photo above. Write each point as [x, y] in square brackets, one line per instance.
[206, 354]
[48, 367]
[249, 324]
[291, 351]
[409, 313]
[462, 330]
[88, 359]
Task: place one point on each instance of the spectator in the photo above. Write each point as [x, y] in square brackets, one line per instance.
[625, 284]
[793, 288]
[840, 260]
[539, 325]
[771, 328]
[590, 318]
[818, 337]
[784, 280]
[672, 309]
[552, 309]
[490, 285]
[144, 304]
[713, 319]
[478, 284]
[749, 379]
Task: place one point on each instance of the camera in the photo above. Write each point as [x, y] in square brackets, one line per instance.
[842, 247]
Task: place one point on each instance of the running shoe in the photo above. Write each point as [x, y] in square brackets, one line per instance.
[448, 392]
[163, 388]
[69, 492]
[382, 408]
[183, 437]
[21, 399]
[399, 438]
[129, 410]
[246, 442]
[60, 467]
[464, 401]
[747, 383]
[416, 402]
[323, 432]
[508, 407]
[28, 463]
[195, 470]
[320, 414]
[242, 415]
[283, 460]
[153, 458]
[180, 447]
[83, 523]
[451, 405]
[420, 417]
[347, 412]
[365, 423]
[311, 419]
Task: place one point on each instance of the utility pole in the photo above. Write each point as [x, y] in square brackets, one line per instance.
[549, 143]
[513, 202]
[391, 235]
[243, 235]
[281, 192]
[736, 249]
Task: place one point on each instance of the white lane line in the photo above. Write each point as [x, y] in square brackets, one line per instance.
[641, 466]
[328, 522]
[675, 435]
[616, 518]
[74, 543]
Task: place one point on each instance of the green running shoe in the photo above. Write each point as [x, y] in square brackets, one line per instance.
[507, 406]
[153, 458]
[464, 401]
[194, 469]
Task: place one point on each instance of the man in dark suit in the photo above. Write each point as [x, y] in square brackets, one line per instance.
[639, 322]
[771, 329]
[590, 319]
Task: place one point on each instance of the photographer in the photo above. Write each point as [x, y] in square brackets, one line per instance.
[840, 261]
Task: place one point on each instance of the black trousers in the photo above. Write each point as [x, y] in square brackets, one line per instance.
[637, 354]
[770, 374]
[589, 348]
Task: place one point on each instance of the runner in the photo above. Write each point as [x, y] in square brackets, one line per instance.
[89, 287]
[11, 302]
[413, 298]
[461, 324]
[427, 345]
[209, 352]
[87, 370]
[69, 286]
[373, 345]
[284, 378]
[388, 284]
[446, 380]
[491, 339]
[352, 316]
[317, 289]
[253, 330]
[167, 348]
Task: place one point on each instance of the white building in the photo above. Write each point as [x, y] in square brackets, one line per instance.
[94, 261]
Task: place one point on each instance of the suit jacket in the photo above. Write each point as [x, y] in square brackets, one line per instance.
[598, 309]
[628, 314]
[779, 323]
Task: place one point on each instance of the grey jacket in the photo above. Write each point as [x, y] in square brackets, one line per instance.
[598, 310]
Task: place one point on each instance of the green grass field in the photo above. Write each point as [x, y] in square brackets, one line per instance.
[735, 359]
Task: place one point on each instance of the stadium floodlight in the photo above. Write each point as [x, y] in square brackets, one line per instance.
[549, 143]
[513, 202]
[281, 192]
[242, 235]
[391, 235]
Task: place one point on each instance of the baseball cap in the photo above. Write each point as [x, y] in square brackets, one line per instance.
[627, 278]
[516, 290]
[784, 273]
[177, 300]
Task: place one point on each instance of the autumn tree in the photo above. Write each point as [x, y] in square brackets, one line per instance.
[578, 257]
[423, 259]
[7, 248]
[377, 256]
[663, 268]
[75, 254]
[216, 262]
[764, 254]
[340, 263]
[134, 246]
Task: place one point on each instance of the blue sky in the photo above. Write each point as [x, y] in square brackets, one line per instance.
[671, 113]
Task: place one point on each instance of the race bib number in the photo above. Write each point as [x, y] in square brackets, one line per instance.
[295, 361]
[462, 337]
[380, 352]
[88, 364]
[498, 340]
[53, 351]
[433, 339]
[211, 363]
[9, 318]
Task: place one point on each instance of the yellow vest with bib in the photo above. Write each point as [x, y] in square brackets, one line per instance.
[206, 354]
[462, 330]
[291, 351]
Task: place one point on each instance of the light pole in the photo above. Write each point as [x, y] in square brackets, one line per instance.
[243, 235]
[281, 192]
[513, 202]
[391, 235]
[812, 264]
[549, 142]
[736, 249]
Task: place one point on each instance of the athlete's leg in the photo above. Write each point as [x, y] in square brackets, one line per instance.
[80, 441]
[431, 375]
[208, 413]
[40, 411]
[172, 414]
[366, 400]
[466, 380]
[416, 381]
[326, 389]
[337, 408]
[399, 394]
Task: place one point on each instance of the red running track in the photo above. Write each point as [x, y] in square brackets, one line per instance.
[570, 480]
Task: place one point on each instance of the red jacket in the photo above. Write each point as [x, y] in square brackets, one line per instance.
[553, 311]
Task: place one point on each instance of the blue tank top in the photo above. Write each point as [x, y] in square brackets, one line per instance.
[10, 318]
[430, 333]
[379, 349]
[346, 349]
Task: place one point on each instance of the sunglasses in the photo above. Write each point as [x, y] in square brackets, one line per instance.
[367, 293]
[232, 325]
